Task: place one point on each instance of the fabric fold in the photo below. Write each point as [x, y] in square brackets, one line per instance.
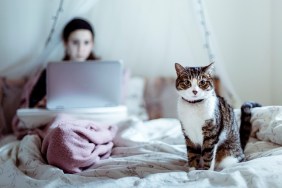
[75, 144]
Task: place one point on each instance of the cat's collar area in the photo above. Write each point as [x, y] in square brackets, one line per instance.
[193, 102]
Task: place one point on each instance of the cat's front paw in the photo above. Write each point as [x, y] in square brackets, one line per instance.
[191, 169]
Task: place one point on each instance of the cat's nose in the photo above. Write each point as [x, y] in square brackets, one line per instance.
[195, 92]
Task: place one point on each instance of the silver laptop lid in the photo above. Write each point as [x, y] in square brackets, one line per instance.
[88, 84]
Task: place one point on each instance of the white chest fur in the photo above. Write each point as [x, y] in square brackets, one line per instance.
[193, 117]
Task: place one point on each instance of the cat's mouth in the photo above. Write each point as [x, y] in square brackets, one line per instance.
[193, 101]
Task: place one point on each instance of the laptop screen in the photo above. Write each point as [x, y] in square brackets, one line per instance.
[89, 84]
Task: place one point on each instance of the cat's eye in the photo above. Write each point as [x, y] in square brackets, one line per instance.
[185, 84]
[202, 83]
[188, 83]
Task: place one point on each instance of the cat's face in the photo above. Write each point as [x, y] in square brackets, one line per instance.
[194, 83]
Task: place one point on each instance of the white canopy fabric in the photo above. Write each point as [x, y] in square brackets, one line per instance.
[149, 36]
[213, 53]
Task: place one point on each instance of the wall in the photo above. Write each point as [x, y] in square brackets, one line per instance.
[276, 40]
[243, 31]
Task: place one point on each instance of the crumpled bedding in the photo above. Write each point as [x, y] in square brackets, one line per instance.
[151, 154]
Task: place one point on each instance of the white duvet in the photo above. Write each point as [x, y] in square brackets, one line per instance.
[151, 154]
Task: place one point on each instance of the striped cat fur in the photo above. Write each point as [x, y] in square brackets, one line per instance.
[213, 139]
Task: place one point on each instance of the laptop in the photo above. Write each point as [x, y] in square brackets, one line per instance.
[91, 90]
[84, 85]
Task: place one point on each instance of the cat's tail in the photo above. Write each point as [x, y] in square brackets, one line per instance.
[246, 126]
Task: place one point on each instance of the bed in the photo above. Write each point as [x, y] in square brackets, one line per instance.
[149, 153]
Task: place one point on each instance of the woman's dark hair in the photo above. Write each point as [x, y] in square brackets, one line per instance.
[73, 25]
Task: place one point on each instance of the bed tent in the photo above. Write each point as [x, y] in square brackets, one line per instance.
[148, 41]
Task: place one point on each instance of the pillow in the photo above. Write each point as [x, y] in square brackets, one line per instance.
[24, 99]
[135, 98]
[10, 92]
[161, 97]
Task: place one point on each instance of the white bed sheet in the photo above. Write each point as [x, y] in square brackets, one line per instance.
[151, 154]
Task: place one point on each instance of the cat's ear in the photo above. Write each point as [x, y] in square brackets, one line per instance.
[209, 69]
[179, 68]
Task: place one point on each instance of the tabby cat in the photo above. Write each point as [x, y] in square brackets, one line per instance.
[213, 138]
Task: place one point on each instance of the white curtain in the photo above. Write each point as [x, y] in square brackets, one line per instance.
[148, 35]
[213, 53]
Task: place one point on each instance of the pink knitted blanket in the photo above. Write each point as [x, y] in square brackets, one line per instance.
[74, 145]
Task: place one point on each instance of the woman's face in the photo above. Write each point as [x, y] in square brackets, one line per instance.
[79, 45]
